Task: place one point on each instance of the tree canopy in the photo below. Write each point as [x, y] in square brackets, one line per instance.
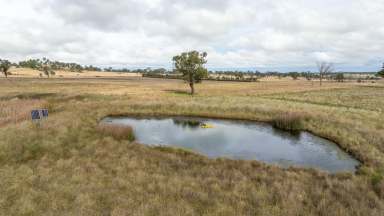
[38, 64]
[381, 73]
[339, 77]
[324, 69]
[294, 75]
[5, 65]
[47, 70]
[191, 66]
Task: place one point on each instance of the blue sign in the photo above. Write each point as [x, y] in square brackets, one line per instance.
[39, 114]
[45, 113]
[35, 114]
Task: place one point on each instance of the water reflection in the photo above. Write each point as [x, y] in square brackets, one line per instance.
[288, 135]
[241, 140]
[187, 123]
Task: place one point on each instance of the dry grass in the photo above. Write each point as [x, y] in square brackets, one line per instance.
[361, 97]
[31, 73]
[118, 132]
[289, 121]
[16, 110]
[66, 167]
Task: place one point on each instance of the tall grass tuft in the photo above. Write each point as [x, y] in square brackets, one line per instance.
[119, 132]
[377, 180]
[289, 121]
[16, 110]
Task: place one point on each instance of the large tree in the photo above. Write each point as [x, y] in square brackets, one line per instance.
[47, 70]
[324, 69]
[381, 73]
[5, 65]
[191, 66]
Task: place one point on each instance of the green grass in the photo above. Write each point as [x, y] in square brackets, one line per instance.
[67, 167]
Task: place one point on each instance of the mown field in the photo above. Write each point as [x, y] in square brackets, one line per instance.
[67, 167]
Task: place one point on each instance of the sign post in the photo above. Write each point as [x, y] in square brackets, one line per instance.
[38, 115]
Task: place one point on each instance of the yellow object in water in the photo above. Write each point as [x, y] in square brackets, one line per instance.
[204, 125]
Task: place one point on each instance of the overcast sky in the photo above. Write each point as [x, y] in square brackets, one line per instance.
[261, 34]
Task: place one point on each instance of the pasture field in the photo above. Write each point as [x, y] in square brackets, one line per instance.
[68, 167]
[31, 73]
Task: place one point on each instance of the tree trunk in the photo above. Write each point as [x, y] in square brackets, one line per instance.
[321, 79]
[6, 74]
[192, 88]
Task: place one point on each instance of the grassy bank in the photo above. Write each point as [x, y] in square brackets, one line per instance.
[69, 167]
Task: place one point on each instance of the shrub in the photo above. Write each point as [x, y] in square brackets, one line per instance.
[118, 132]
[377, 180]
[381, 73]
[339, 77]
[294, 75]
[289, 121]
[51, 106]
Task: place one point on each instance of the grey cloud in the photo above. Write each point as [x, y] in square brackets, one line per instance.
[193, 19]
[104, 15]
[236, 33]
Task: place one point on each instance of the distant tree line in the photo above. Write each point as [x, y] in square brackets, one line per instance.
[254, 76]
[37, 64]
[142, 71]
[242, 76]
[47, 67]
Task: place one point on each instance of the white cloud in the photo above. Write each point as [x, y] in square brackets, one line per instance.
[236, 33]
